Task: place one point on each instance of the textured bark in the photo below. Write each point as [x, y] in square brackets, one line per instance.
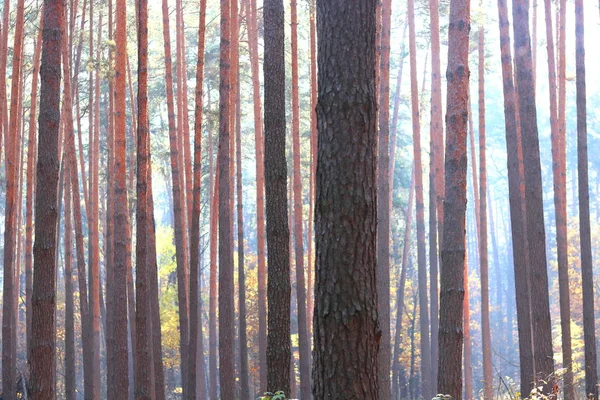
[591, 378]
[303, 336]
[383, 203]
[12, 141]
[400, 291]
[120, 381]
[3, 61]
[226, 286]
[517, 216]
[212, 317]
[486, 338]
[46, 206]
[452, 288]
[260, 193]
[278, 233]
[143, 319]
[31, 157]
[436, 180]
[540, 309]
[70, 370]
[195, 316]
[346, 335]
[426, 384]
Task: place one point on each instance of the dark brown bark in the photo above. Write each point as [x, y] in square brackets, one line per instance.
[278, 233]
[303, 336]
[120, 381]
[12, 141]
[212, 317]
[517, 216]
[260, 193]
[452, 288]
[591, 379]
[426, 384]
[46, 206]
[383, 203]
[346, 338]
[226, 286]
[486, 339]
[195, 316]
[536, 236]
[143, 319]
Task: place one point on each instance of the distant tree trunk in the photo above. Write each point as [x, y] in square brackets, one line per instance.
[427, 385]
[401, 288]
[468, 363]
[12, 141]
[486, 341]
[303, 336]
[260, 193]
[455, 201]
[278, 290]
[540, 309]
[436, 179]
[121, 220]
[517, 216]
[195, 317]
[46, 206]
[591, 379]
[70, 368]
[346, 342]
[226, 286]
[383, 203]
[31, 162]
[143, 319]
[212, 323]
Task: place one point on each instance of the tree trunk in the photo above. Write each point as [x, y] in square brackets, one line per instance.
[46, 216]
[278, 250]
[121, 220]
[70, 369]
[591, 379]
[468, 363]
[383, 203]
[455, 201]
[486, 340]
[260, 194]
[346, 324]
[195, 317]
[303, 336]
[427, 385]
[540, 309]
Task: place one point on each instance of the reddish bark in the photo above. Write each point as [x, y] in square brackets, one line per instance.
[70, 383]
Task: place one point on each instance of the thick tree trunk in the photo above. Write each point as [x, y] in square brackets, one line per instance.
[486, 339]
[426, 384]
[540, 309]
[383, 203]
[346, 323]
[195, 316]
[303, 335]
[591, 378]
[455, 201]
[278, 233]
[46, 206]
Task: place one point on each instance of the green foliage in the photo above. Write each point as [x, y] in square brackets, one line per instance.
[280, 395]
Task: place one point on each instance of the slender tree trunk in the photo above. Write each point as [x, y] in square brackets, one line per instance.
[346, 345]
[427, 385]
[455, 201]
[486, 340]
[303, 336]
[383, 209]
[540, 309]
[70, 367]
[278, 290]
[591, 378]
[195, 317]
[31, 158]
[9, 317]
[468, 363]
[121, 220]
[260, 194]
[44, 275]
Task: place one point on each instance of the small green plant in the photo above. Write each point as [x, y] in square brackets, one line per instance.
[442, 397]
[279, 395]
